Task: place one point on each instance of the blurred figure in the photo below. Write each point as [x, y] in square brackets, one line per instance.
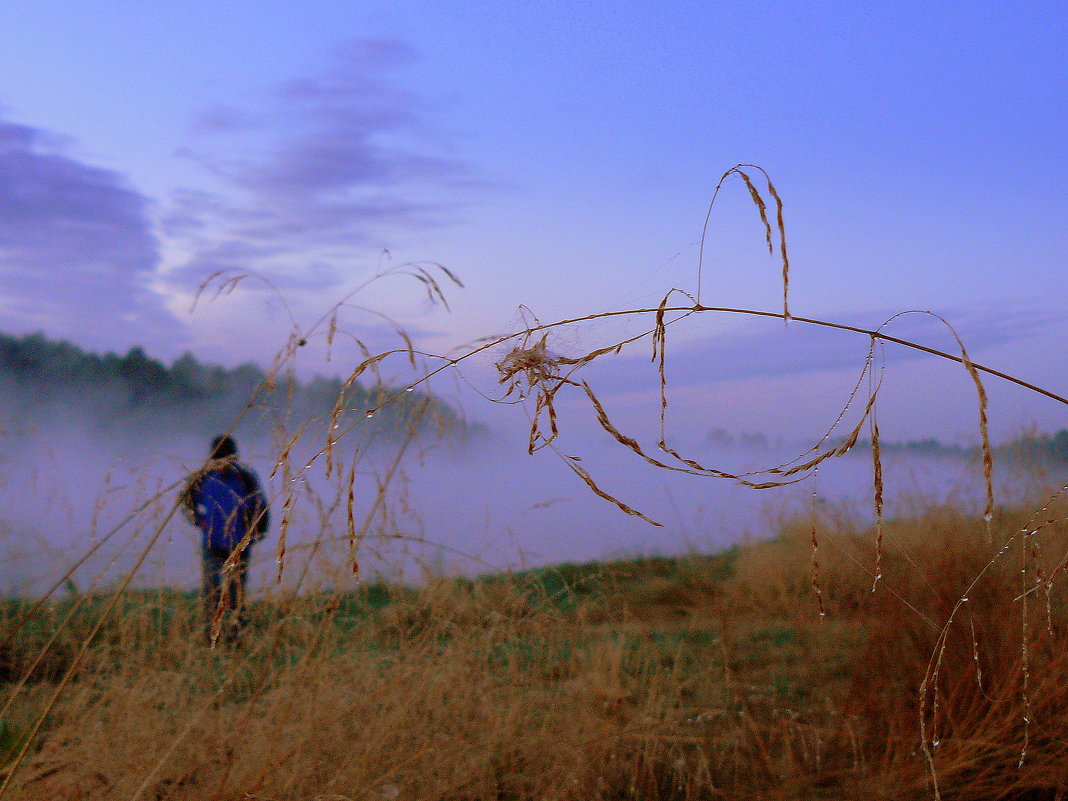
[224, 500]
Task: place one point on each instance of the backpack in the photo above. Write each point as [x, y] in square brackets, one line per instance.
[225, 502]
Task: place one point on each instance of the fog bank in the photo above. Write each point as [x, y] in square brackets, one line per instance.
[439, 507]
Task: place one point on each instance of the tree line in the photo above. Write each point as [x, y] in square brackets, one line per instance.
[1030, 446]
[40, 377]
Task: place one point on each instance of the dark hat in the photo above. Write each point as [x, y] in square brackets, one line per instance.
[223, 447]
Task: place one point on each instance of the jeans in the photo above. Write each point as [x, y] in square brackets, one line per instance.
[227, 618]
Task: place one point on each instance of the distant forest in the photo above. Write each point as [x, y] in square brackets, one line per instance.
[41, 379]
[1032, 446]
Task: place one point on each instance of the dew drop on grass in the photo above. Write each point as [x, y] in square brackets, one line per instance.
[370, 413]
[988, 517]
[409, 389]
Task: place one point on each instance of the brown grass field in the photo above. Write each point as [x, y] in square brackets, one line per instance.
[705, 677]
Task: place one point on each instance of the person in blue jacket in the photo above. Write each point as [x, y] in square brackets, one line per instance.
[224, 500]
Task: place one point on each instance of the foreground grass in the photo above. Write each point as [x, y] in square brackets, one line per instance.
[661, 678]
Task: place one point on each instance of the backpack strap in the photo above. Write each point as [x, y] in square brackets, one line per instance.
[261, 512]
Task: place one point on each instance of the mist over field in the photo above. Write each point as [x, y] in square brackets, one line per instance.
[450, 505]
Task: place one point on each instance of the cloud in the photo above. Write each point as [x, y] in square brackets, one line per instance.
[77, 248]
[333, 163]
[770, 349]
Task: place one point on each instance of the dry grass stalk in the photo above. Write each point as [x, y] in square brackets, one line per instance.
[877, 480]
[877, 473]
[761, 206]
[350, 518]
[817, 587]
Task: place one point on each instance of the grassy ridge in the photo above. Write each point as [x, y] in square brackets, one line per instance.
[673, 678]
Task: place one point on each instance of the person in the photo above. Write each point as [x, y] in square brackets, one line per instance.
[224, 500]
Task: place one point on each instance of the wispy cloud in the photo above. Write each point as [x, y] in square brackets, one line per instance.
[333, 161]
[770, 350]
[77, 248]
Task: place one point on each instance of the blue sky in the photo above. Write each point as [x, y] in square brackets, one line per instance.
[555, 155]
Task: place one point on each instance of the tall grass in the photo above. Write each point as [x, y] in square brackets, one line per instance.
[680, 678]
[914, 658]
